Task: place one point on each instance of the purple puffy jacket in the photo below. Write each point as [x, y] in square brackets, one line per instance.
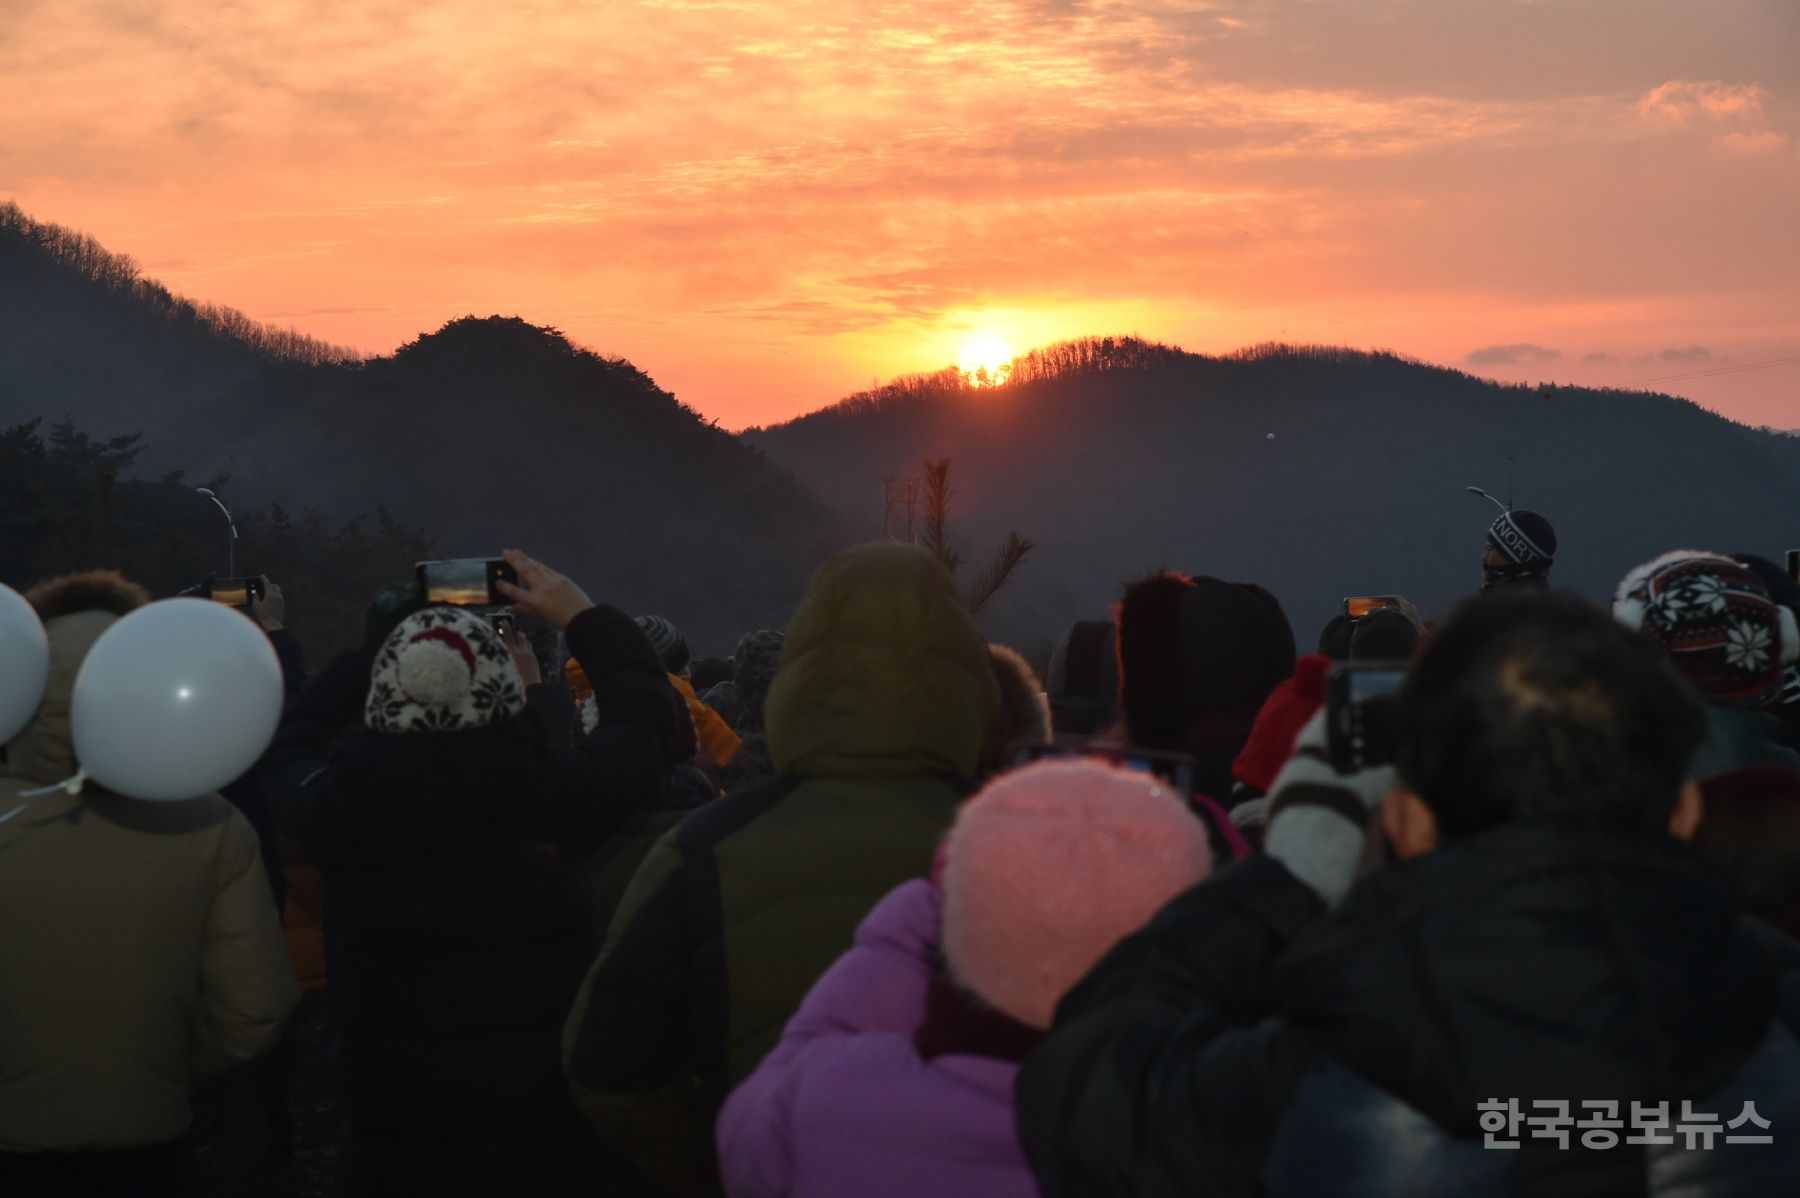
[846, 1108]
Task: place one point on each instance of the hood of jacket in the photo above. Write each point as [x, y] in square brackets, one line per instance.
[883, 672]
[75, 609]
[44, 751]
[1537, 961]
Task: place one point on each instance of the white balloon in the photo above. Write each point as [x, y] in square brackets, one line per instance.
[1271, 436]
[175, 700]
[24, 663]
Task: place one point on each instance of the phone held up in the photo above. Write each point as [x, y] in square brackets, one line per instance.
[1358, 606]
[237, 592]
[465, 582]
[1359, 713]
[504, 624]
[1177, 769]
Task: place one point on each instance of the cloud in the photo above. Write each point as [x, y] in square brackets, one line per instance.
[1599, 356]
[1683, 100]
[1687, 353]
[849, 177]
[1509, 355]
[1753, 141]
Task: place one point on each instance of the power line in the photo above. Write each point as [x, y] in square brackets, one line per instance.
[1701, 374]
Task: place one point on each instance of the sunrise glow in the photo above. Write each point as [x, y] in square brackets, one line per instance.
[986, 360]
[768, 206]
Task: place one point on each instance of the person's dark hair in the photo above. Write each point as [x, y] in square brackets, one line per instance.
[708, 672]
[1334, 639]
[1530, 704]
[1083, 678]
[1385, 634]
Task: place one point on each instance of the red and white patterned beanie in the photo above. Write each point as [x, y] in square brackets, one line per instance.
[442, 670]
[1714, 620]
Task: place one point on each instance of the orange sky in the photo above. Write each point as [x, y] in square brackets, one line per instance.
[768, 205]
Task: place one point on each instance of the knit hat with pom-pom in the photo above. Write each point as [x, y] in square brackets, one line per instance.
[1714, 620]
[1049, 867]
[442, 670]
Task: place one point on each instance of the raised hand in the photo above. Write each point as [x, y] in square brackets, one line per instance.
[542, 592]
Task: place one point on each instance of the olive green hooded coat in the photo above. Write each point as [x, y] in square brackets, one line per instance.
[139, 943]
[876, 720]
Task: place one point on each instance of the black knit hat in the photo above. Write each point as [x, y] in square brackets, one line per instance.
[1196, 647]
[1083, 679]
[1525, 537]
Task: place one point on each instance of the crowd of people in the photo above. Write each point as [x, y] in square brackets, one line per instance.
[864, 908]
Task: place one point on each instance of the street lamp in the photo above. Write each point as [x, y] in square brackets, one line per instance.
[1471, 490]
[231, 545]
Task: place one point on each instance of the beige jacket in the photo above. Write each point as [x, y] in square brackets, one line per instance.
[139, 943]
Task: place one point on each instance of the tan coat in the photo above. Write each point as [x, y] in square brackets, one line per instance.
[139, 944]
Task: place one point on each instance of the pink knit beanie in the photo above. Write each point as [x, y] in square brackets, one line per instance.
[1049, 867]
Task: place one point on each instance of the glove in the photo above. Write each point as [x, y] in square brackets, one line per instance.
[1319, 818]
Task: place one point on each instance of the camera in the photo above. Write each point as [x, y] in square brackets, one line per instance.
[1359, 713]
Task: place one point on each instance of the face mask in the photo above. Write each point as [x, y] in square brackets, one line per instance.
[1493, 578]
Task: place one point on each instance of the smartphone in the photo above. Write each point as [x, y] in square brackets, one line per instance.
[1358, 606]
[465, 582]
[236, 592]
[1177, 769]
[1359, 713]
[1794, 564]
[503, 624]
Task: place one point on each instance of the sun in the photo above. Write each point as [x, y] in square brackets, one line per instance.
[986, 360]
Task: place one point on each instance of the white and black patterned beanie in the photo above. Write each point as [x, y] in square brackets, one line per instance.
[1715, 621]
[442, 670]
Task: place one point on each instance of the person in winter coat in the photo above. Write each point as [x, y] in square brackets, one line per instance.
[718, 743]
[876, 720]
[139, 947]
[1519, 551]
[1024, 715]
[1548, 950]
[752, 674]
[1197, 659]
[1714, 620]
[1752, 829]
[895, 1077]
[1082, 683]
[452, 836]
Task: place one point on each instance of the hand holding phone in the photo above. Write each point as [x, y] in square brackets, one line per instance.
[537, 590]
[269, 608]
[524, 655]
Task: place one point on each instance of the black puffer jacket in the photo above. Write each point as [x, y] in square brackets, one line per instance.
[1243, 1045]
[457, 930]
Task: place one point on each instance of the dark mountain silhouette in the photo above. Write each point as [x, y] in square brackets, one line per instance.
[1114, 455]
[487, 433]
[1117, 456]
